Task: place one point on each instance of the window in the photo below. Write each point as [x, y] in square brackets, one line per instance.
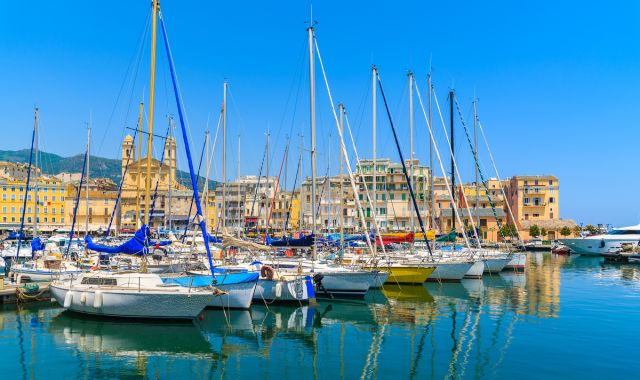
[404, 196]
[13, 188]
[391, 196]
[53, 220]
[62, 198]
[29, 210]
[45, 219]
[46, 198]
[536, 182]
[536, 215]
[525, 201]
[550, 182]
[552, 200]
[526, 216]
[22, 197]
[61, 220]
[28, 219]
[4, 197]
[46, 210]
[4, 218]
[53, 210]
[13, 209]
[13, 219]
[4, 209]
[13, 197]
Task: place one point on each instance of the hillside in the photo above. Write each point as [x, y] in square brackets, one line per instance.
[51, 163]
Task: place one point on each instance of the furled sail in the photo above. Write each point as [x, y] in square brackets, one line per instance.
[134, 246]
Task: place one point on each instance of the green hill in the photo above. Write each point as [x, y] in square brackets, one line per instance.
[51, 163]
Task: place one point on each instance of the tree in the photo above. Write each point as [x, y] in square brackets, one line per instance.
[577, 231]
[565, 231]
[508, 231]
[591, 229]
[534, 231]
[543, 232]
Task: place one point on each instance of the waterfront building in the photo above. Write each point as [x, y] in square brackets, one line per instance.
[332, 195]
[171, 194]
[47, 210]
[96, 214]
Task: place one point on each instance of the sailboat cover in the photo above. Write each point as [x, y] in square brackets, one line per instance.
[303, 241]
[134, 246]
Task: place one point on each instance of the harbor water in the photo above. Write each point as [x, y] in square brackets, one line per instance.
[566, 317]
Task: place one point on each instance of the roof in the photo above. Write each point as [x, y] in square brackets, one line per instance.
[549, 224]
[482, 212]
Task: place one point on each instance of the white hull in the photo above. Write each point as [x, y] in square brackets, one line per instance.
[348, 284]
[495, 265]
[379, 280]
[238, 296]
[450, 271]
[476, 270]
[129, 303]
[596, 245]
[293, 290]
[518, 261]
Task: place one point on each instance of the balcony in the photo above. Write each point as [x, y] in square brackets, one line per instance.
[539, 204]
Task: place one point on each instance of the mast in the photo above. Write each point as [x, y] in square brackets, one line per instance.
[374, 195]
[475, 142]
[301, 214]
[286, 166]
[312, 97]
[36, 204]
[453, 161]
[238, 184]
[205, 188]
[266, 192]
[152, 98]
[86, 224]
[432, 199]
[171, 168]
[139, 170]
[224, 156]
[340, 198]
[411, 141]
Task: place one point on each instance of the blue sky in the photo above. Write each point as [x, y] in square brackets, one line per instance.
[557, 82]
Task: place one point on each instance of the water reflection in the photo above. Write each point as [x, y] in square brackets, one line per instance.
[465, 330]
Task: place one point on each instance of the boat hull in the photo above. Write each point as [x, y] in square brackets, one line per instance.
[380, 279]
[288, 290]
[42, 275]
[343, 284]
[236, 296]
[495, 265]
[518, 262]
[476, 270]
[587, 246]
[450, 272]
[399, 274]
[131, 303]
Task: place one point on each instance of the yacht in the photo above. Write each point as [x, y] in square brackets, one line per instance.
[130, 295]
[611, 241]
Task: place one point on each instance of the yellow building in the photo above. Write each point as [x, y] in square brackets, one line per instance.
[102, 200]
[47, 212]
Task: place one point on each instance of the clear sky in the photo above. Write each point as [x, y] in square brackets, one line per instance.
[557, 81]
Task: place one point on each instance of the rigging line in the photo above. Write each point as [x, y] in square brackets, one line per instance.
[437, 152]
[124, 174]
[160, 164]
[495, 168]
[136, 56]
[484, 182]
[26, 191]
[77, 203]
[362, 179]
[255, 195]
[184, 235]
[404, 166]
[344, 150]
[295, 182]
[457, 173]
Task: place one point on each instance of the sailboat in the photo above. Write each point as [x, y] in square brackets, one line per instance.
[134, 294]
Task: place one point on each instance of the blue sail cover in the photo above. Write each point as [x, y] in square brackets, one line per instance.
[37, 245]
[303, 241]
[221, 279]
[13, 235]
[134, 246]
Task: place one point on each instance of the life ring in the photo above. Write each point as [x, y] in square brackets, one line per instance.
[267, 272]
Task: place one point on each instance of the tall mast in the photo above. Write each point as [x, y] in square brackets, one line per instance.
[411, 141]
[453, 161]
[205, 188]
[432, 198]
[224, 155]
[36, 204]
[284, 188]
[301, 214]
[152, 98]
[86, 225]
[340, 198]
[139, 170]
[266, 192]
[171, 168]
[475, 142]
[312, 98]
[238, 184]
[374, 195]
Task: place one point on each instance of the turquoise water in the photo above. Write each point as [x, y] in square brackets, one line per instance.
[567, 317]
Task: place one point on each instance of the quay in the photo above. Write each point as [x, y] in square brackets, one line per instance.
[20, 293]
